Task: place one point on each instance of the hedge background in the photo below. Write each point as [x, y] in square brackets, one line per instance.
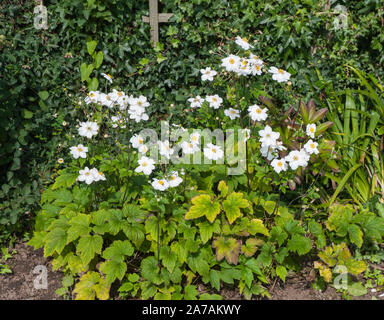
[40, 78]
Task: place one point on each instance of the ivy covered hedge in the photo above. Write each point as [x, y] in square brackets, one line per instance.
[40, 75]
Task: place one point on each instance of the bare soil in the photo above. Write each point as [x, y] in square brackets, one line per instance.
[20, 285]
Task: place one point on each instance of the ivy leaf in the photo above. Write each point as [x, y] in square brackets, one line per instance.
[299, 244]
[88, 246]
[79, 226]
[228, 248]
[99, 59]
[113, 269]
[203, 205]
[257, 226]
[91, 46]
[232, 206]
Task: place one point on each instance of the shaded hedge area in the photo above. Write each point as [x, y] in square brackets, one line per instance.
[40, 79]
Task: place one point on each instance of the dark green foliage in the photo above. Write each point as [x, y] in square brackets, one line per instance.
[40, 75]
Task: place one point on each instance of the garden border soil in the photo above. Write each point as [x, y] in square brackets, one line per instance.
[20, 284]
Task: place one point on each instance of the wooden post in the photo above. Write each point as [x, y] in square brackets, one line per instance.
[155, 18]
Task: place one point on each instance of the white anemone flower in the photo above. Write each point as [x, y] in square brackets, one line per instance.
[138, 116]
[243, 42]
[164, 149]
[279, 75]
[92, 97]
[60, 160]
[143, 149]
[174, 180]
[254, 59]
[195, 138]
[268, 151]
[86, 175]
[311, 130]
[79, 152]
[97, 175]
[108, 77]
[136, 141]
[279, 165]
[297, 159]
[189, 147]
[160, 184]
[231, 63]
[213, 152]
[88, 129]
[311, 147]
[106, 100]
[196, 102]
[214, 101]
[232, 113]
[146, 165]
[257, 114]
[268, 137]
[207, 74]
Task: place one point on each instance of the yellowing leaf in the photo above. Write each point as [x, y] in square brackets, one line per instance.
[203, 206]
[232, 206]
[223, 188]
[88, 246]
[324, 271]
[85, 288]
[228, 248]
[257, 226]
[355, 267]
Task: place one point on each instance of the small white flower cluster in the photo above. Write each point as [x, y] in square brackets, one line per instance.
[252, 65]
[192, 146]
[243, 66]
[214, 101]
[172, 181]
[296, 158]
[136, 106]
[147, 165]
[90, 175]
